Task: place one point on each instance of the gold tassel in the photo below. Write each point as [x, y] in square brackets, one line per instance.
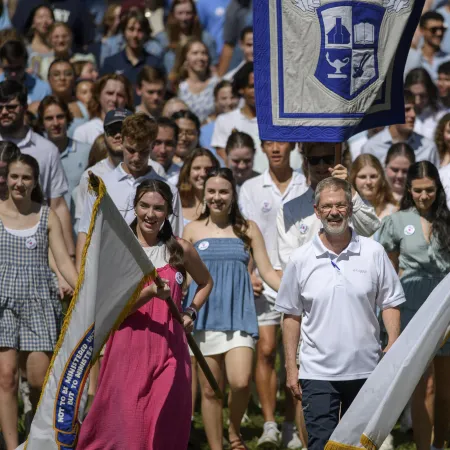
[368, 444]
[332, 445]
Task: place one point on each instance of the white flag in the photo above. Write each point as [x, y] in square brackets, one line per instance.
[378, 405]
[113, 273]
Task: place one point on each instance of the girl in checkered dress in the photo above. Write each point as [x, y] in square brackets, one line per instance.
[30, 310]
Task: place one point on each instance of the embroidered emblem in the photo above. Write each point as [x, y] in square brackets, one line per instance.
[266, 206]
[303, 228]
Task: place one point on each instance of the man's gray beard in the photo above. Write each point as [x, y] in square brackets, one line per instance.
[335, 231]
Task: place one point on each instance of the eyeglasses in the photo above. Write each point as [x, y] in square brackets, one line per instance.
[113, 129]
[327, 208]
[315, 160]
[434, 30]
[9, 108]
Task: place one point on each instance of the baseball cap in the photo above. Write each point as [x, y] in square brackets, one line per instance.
[116, 115]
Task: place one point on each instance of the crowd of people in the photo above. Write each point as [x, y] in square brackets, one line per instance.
[159, 101]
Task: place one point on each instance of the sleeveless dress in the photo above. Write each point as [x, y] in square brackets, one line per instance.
[143, 401]
[30, 309]
[228, 319]
[424, 264]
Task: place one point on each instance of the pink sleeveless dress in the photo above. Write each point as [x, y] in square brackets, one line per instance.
[143, 401]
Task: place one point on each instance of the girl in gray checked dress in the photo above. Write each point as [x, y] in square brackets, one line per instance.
[417, 239]
[30, 309]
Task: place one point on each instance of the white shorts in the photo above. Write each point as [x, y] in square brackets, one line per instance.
[220, 342]
[265, 310]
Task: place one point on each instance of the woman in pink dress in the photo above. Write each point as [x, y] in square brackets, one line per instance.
[143, 401]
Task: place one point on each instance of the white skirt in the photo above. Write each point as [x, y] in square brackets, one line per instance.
[219, 342]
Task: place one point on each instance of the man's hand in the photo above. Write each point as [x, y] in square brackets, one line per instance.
[339, 171]
[257, 284]
[293, 384]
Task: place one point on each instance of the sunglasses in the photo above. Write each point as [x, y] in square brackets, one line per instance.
[315, 160]
[9, 108]
[113, 129]
[434, 30]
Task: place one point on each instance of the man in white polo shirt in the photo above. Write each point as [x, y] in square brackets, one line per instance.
[329, 294]
[296, 221]
[260, 199]
[138, 133]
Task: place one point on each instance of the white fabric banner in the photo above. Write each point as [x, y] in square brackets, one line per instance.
[376, 408]
[114, 270]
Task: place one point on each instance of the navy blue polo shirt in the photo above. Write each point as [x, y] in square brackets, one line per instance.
[120, 64]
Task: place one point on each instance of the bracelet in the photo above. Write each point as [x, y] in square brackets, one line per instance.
[191, 312]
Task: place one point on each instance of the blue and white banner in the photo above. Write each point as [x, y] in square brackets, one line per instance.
[325, 70]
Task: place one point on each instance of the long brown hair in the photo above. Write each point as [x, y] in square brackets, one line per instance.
[94, 107]
[36, 194]
[174, 29]
[439, 136]
[239, 224]
[176, 252]
[184, 186]
[383, 195]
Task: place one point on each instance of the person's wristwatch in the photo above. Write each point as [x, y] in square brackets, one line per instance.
[191, 312]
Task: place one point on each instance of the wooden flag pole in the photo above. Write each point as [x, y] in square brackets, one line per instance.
[338, 153]
[177, 315]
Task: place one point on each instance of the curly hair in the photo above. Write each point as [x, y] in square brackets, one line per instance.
[184, 186]
[174, 29]
[237, 220]
[176, 252]
[383, 195]
[439, 214]
[139, 128]
[94, 107]
[439, 136]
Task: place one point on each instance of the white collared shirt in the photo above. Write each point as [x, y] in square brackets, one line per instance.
[444, 174]
[297, 223]
[259, 200]
[88, 132]
[121, 187]
[337, 297]
[52, 178]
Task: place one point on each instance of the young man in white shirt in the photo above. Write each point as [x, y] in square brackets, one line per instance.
[296, 221]
[329, 294]
[260, 199]
[138, 133]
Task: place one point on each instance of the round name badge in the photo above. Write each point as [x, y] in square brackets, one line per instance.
[409, 230]
[266, 206]
[203, 245]
[303, 228]
[179, 278]
[31, 243]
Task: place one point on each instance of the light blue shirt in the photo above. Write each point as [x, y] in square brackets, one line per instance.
[424, 149]
[212, 17]
[416, 60]
[37, 89]
[74, 160]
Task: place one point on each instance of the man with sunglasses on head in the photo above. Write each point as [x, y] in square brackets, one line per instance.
[296, 221]
[430, 56]
[112, 126]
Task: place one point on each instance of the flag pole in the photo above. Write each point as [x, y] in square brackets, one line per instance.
[93, 180]
[338, 153]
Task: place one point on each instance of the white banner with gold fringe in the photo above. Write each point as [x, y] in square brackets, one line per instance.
[113, 272]
[378, 405]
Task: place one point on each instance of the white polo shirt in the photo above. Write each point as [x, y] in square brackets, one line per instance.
[52, 178]
[444, 174]
[121, 187]
[337, 297]
[297, 223]
[259, 200]
[89, 131]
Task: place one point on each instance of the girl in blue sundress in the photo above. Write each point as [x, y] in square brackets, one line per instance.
[227, 327]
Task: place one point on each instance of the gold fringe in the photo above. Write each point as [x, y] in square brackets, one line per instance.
[100, 191]
[444, 341]
[126, 311]
[333, 445]
[368, 444]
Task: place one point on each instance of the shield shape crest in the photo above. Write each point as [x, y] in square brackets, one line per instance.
[348, 60]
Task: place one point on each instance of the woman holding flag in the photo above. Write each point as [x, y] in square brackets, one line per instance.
[144, 386]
